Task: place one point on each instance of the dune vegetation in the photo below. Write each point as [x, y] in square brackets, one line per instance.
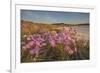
[41, 42]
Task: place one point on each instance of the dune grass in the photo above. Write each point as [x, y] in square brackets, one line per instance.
[75, 48]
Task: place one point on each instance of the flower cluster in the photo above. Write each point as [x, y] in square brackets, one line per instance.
[37, 41]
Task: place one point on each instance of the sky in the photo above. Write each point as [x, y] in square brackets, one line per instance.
[54, 17]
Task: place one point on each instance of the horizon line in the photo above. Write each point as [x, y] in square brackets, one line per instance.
[53, 22]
